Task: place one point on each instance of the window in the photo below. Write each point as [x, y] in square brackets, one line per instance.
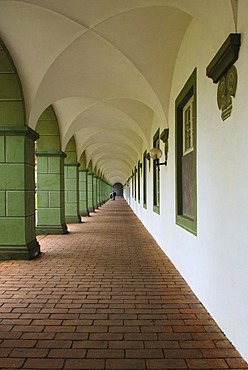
[186, 196]
[144, 179]
[139, 173]
[135, 183]
[156, 177]
[188, 126]
[132, 185]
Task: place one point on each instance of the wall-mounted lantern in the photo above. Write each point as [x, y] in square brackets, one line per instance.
[156, 153]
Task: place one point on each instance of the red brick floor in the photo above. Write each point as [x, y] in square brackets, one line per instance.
[105, 297]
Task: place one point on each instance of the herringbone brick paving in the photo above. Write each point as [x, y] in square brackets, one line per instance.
[105, 297]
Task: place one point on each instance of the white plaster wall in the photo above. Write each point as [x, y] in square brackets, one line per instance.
[215, 262]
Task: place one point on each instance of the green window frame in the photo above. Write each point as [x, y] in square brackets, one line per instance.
[139, 175]
[145, 179]
[132, 185]
[135, 183]
[156, 178]
[186, 153]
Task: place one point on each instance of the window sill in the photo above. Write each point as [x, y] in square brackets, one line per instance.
[187, 224]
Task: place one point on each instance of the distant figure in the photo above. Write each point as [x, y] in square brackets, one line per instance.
[113, 195]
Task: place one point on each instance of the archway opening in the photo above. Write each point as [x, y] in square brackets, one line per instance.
[118, 188]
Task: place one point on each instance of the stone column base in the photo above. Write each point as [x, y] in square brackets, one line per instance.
[73, 219]
[85, 213]
[50, 230]
[20, 252]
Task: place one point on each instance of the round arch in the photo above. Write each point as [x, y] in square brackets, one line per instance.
[118, 188]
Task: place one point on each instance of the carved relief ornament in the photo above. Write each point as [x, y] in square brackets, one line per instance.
[226, 90]
[222, 71]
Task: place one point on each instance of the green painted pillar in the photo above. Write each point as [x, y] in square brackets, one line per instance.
[83, 192]
[101, 190]
[72, 214]
[104, 191]
[109, 187]
[17, 193]
[95, 192]
[50, 192]
[99, 203]
[90, 191]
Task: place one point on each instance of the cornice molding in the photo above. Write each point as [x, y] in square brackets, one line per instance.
[224, 58]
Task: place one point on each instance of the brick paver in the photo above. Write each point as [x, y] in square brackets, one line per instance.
[105, 297]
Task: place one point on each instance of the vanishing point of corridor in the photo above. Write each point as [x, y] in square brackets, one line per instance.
[105, 296]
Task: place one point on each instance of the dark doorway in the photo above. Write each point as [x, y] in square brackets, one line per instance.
[118, 188]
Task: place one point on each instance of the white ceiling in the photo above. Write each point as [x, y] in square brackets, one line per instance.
[105, 65]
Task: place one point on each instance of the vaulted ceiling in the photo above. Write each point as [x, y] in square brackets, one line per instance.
[105, 66]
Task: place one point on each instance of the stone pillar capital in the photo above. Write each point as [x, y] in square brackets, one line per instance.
[83, 169]
[50, 153]
[72, 164]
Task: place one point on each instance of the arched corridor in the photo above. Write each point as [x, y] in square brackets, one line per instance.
[112, 300]
[144, 97]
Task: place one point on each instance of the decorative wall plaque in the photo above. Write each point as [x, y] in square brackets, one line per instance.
[223, 72]
[226, 89]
